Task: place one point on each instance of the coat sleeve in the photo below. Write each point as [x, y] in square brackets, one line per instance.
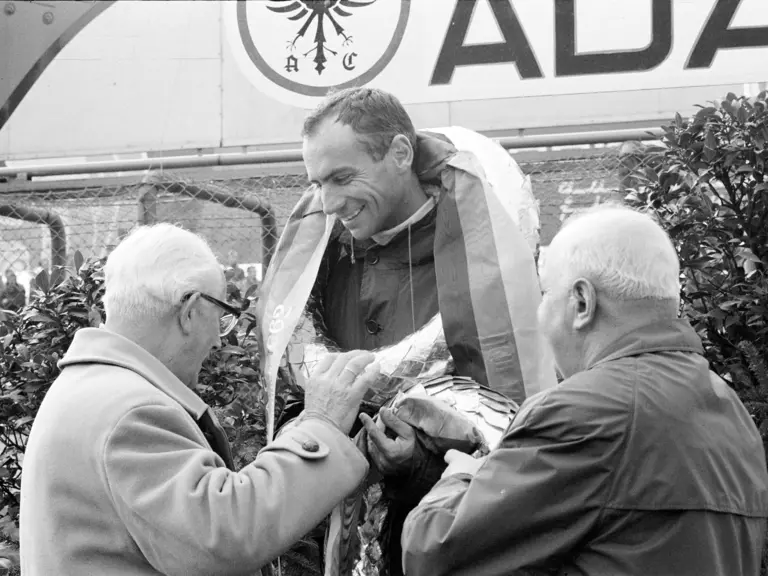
[536, 497]
[190, 515]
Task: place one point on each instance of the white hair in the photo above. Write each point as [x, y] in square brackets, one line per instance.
[625, 253]
[153, 267]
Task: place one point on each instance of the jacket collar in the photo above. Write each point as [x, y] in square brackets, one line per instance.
[666, 336]
[432, 154]
[385, 237]
[101, 346]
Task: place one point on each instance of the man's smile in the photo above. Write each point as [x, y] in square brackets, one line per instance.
[350, 217]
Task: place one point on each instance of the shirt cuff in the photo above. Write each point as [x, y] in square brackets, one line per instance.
[307, 414]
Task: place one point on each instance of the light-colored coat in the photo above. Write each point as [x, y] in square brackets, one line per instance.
[119, 479]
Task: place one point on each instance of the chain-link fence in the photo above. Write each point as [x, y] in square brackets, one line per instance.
[241, 212]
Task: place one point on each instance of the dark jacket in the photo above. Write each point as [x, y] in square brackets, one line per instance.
[366, 296]
[645, 463]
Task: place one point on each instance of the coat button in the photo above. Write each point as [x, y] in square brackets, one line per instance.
[372, 258]
[310, 446]
[372, 326]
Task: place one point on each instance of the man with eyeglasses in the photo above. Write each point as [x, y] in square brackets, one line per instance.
[127, 470]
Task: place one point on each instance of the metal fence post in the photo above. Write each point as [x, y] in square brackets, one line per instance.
[259, 206]
[147, 202]
[58, 235]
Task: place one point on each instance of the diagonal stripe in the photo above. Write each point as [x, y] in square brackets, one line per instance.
[308, 204]
[487, 293]
[287, 287]
[508, 201]
[453, 282]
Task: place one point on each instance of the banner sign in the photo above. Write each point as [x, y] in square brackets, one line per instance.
[82, 78]
[445, 50]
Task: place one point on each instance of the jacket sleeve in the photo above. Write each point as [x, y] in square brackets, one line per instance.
[425, 470]
[190, 515]
[535, 498]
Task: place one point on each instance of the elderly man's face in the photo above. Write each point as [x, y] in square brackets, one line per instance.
[205, 334]
[363, 193]
[556, 316]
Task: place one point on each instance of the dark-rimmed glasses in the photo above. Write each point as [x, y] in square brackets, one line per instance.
[229, 319]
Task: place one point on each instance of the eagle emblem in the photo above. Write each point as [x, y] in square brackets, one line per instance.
[319, 13]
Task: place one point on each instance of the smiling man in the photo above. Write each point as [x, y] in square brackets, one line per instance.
[378, 281]
[415, 221]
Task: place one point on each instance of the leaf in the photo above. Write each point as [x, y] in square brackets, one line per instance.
[710, 146]
[78, 259]
[698, 263]
[705, 112]
[234, 350]
[746, 254]
[252, 289]
[42, 281]
[38, 317]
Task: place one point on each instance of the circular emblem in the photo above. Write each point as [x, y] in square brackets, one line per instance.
[310, 46]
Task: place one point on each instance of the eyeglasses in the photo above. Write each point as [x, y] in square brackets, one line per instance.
[228, 321]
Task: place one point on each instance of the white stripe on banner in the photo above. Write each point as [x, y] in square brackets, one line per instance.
[286, 302]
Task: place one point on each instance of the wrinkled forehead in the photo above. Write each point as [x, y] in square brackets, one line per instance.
[552, 269]
[332, 146]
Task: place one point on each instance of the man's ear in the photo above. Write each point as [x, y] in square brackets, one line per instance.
[186, 314]
[585, 299]
[401, 152]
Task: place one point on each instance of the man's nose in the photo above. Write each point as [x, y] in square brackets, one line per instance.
[332, 203]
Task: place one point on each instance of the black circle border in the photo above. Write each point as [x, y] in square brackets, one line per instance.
[364, 78]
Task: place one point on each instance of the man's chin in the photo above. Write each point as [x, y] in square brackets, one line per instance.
[359, 233]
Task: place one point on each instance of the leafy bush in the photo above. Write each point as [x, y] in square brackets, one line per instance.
[711, 194]
[33, 341]
[708, 186]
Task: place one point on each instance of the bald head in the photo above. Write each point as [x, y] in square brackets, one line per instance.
[624, 253]
[608, 271]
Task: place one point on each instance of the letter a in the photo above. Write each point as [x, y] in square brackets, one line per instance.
[717, 34]
[515, 47]
[568, 63]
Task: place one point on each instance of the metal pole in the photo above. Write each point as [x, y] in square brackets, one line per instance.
[147, 201]
[261, 207]
[284, 156]
[577, 139]
[143, 164]
[58, 234]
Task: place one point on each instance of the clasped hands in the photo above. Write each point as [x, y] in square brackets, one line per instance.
[393, 456]
[334, 393]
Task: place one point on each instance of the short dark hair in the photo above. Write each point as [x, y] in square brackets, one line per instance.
[376, 116]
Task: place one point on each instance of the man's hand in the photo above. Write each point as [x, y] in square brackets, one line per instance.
[338, 385]
[461, 463]
[390, 456]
